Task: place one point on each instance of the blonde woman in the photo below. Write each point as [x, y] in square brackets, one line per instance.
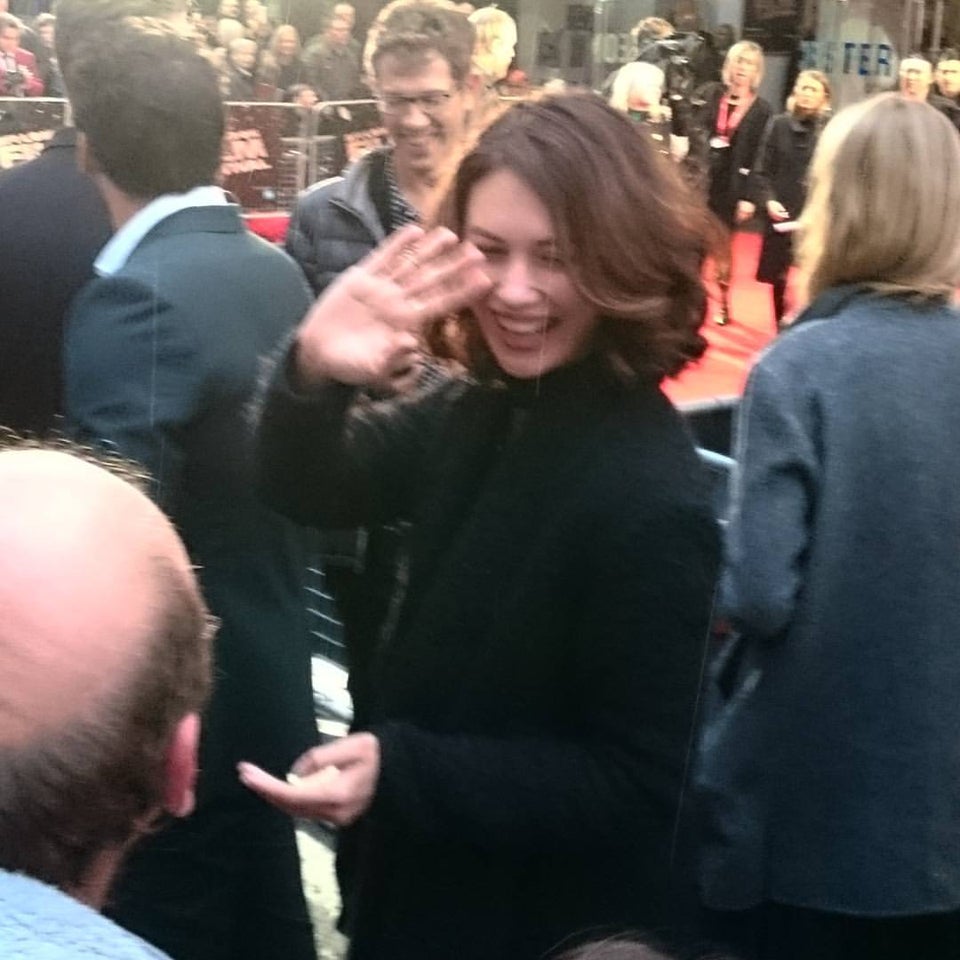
[281, 65]
[496, 43]
[733, 121]
[780, 177]
[830, 773]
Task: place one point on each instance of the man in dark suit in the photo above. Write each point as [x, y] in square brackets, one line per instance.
[54, 222]
[163, 351]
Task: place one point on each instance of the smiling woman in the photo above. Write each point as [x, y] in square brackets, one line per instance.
[517, 776]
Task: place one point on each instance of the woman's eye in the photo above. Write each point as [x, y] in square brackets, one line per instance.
[551, 261]
[491, 253]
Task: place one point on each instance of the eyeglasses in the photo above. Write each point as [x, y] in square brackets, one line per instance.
[394, 104]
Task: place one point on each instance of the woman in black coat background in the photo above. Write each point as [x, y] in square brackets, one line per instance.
[780, 177]
[733, 119]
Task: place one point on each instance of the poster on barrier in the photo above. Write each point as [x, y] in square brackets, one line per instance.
[272, 151]
[251, 160]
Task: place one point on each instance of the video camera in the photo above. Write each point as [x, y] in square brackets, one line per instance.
[674, 55]
[14, 81]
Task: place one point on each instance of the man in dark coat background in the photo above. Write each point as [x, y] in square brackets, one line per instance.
[54, 222]
[163, 351]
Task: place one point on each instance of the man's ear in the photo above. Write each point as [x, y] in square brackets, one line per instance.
[86, 161]
[181, 767]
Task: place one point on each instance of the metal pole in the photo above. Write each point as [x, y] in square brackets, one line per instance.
[936, 35]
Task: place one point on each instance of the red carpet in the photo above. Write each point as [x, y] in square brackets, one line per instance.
[723, 369]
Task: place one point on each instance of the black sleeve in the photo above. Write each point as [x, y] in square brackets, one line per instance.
[766, 168]
[748, 146]
[332, 458]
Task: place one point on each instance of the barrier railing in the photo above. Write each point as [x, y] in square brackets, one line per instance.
[271, 151]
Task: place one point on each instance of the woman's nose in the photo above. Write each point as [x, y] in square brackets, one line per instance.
[516, 284]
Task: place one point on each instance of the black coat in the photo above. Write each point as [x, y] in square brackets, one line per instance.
[729, 170]
[53, 223]
[781, 174]
[534, 702]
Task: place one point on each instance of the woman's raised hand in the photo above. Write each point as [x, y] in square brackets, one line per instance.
[364, 329]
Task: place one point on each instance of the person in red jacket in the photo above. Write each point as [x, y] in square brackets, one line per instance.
[18, 76]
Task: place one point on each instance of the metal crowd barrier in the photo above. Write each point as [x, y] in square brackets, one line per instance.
[271, 151]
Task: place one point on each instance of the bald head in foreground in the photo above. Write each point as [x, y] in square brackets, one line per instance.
[104, 668]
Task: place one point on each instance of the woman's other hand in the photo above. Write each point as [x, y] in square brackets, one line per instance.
[335, 782]
[364, 329]
[777, 212]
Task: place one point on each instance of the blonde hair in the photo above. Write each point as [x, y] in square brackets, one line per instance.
[884, 206]
[632, 76]
[491, 25]
[737, 50]
[278, 34]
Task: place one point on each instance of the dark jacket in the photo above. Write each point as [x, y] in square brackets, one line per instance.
[54, 223]
[337, 222]
[948, 107]
[334, 71]
[534, 700]
[729, 170]
[830, 768]
[161, 364]
[780, 174]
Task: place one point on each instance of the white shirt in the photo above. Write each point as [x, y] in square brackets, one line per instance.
[121, 245]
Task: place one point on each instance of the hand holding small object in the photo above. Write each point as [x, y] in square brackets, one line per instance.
[335, 782]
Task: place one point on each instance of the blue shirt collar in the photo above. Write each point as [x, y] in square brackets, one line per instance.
[117, 252]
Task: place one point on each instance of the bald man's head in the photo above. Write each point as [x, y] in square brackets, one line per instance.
[103, 655]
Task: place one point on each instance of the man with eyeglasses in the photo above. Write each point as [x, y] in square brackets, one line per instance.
[421, 68]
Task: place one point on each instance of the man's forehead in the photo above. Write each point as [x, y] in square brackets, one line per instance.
[420, 71]
[949, 66]
[915, 64]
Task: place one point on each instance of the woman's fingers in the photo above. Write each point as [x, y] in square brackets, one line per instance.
[351, 749]
[387, 256]
[304, 798]
[335, 782]
[413, 259]
[447, 286]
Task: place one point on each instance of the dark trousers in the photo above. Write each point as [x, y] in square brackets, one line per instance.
[224, 884]
[773, 931]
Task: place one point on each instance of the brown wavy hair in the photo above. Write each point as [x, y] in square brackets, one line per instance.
[634, 233]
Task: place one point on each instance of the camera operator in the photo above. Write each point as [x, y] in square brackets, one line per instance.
[685, 61]
[18, 67]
